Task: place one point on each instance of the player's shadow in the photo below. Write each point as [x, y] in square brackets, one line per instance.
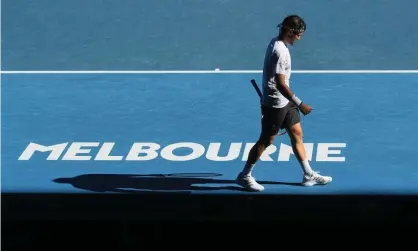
[151, 183]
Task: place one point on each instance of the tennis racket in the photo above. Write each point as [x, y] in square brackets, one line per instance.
[260, 95]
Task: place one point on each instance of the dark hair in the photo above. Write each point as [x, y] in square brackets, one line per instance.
[293, 23]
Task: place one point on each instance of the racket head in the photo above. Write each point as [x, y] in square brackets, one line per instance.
[281, 132]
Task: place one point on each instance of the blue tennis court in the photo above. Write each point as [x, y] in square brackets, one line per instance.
[147, 133]
[87, 129]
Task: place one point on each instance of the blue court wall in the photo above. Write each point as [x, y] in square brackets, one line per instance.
[200, 34]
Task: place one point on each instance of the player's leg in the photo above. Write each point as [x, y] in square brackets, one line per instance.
[296, 138]
[264, 141]
[270, 125]
[245, 178]
[295, 132]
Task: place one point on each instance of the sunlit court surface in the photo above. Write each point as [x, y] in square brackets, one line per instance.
[191, 132]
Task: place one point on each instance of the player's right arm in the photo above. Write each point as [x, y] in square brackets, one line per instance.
[290, 95]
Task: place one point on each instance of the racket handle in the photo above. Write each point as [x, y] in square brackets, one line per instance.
[254, 83]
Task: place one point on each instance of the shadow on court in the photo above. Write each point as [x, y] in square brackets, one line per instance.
[151, 183]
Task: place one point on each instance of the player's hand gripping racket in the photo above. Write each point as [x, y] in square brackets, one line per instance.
[260, 94]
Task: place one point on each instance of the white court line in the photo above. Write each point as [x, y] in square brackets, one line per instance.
[211, 72]
[131, 72]
[202, 71]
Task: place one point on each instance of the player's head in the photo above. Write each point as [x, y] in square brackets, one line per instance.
[292, 28]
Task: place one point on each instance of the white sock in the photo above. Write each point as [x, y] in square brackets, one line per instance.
[247, 169]
[307, 170]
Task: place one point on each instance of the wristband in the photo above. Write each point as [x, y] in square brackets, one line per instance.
[296, 100]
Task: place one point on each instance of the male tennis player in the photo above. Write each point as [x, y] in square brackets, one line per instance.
[281, 106]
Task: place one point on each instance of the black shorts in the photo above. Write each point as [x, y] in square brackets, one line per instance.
[275, 119]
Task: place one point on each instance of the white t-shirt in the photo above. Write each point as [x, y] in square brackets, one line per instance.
[277, 60]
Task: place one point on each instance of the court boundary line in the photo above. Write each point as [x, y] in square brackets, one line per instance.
[206, 72]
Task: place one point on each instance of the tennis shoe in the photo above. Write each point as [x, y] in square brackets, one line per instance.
[249, 183]
[315, 179]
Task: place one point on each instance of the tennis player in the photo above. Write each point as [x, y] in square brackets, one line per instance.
[281, 107]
